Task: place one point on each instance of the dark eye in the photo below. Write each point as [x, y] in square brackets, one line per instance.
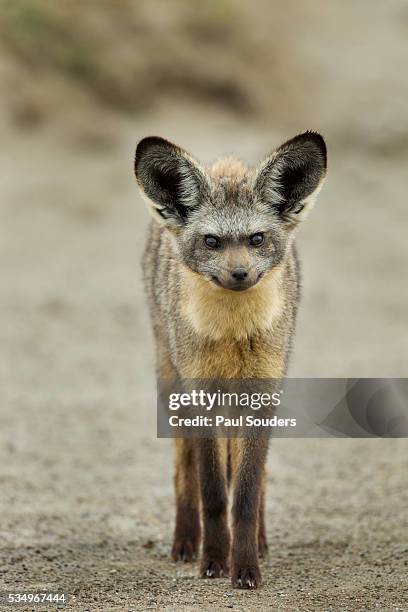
[212, 242]
[256, 239]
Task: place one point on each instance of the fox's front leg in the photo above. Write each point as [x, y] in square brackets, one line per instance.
[248, 460]
[186, 539]
[187, 530]
[212, 455]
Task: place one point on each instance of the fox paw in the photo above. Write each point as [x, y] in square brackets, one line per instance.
[184, 550]
[211, 568]
[246, 577]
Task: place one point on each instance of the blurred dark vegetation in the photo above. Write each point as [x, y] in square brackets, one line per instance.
[338, 67]
[129, 55]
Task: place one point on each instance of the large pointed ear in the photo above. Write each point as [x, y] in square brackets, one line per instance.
[290, 179]
[170, 180]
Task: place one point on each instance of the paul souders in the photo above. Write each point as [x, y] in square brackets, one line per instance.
[221, 421]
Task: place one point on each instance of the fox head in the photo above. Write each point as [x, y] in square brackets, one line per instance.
[230, 223]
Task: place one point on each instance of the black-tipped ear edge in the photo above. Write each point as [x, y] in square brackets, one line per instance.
[169, 178]
[311, 137]
[290, 178]
[151, 143]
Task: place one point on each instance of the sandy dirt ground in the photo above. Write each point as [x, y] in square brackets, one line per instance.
[86, 487]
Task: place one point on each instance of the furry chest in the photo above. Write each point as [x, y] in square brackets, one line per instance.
[216, 314]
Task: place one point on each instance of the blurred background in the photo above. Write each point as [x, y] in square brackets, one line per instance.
[86, 488]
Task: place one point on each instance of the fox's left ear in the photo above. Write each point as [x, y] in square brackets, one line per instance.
[290, 179]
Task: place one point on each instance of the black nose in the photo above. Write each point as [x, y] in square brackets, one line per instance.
[239, 274]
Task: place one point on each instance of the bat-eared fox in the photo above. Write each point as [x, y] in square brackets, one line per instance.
[222, 277]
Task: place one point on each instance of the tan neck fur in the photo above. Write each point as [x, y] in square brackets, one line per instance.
[218, 313]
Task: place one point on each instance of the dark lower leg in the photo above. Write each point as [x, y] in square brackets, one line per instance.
[187, 530]
[248, 472]
[213, 486]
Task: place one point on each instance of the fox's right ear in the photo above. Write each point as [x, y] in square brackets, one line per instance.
[169, 179]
